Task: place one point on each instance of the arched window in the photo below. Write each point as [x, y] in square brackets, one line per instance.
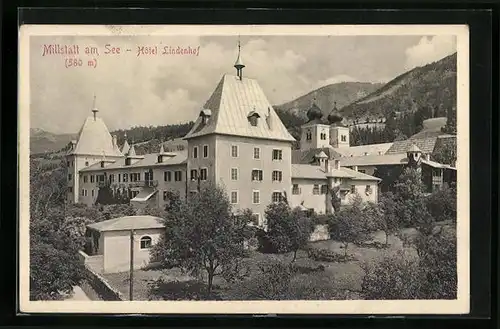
[146, 242]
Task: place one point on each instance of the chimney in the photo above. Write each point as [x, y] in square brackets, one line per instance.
[355, 168]
[328, 166]
[115, 143]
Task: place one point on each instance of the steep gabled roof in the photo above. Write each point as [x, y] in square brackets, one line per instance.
[95, 139]
[231, 102]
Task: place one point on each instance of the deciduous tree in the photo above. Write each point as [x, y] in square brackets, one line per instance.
[203, 236]
[288, 230]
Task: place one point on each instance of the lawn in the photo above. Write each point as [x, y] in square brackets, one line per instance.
[338, 280]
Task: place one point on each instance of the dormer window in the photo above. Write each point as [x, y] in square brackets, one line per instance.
[205, 116]
[127, 161]
[160, 159]
[253, 118]
[323, 136]
[308, 135]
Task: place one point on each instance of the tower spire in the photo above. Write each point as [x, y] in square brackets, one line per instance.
[239, 63]
[94, 109]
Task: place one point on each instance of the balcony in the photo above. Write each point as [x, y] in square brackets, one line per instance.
[143, 183]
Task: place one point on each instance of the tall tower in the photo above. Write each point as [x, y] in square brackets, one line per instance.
[94, 142]
[315, 133]
[339, 133]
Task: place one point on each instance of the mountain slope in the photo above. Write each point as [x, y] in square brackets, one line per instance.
[432, 85]
[343, 93]
[42, 141]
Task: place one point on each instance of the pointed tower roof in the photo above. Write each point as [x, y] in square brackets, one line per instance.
[126, 146]
[414, 148]
[321, 155]
[162, 150]
[131, 151]
[95, 139]
[230, 104]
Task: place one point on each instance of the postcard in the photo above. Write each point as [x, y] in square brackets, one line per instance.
[259, 169]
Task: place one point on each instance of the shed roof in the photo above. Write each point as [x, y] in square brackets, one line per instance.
[128, 223]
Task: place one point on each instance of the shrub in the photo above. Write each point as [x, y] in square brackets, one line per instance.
[326, 255]
[395, 277]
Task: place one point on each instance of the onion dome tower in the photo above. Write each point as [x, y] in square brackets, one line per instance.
[335, 118]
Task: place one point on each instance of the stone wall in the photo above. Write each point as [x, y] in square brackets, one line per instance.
[97, 282]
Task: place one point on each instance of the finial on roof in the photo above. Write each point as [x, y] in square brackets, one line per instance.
[131, 152]
[94, 109]
[239, 63]
[103, 155]
[162, 150]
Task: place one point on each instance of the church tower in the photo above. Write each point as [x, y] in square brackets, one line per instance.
[315, 133]
[339, 133]
[94, 143]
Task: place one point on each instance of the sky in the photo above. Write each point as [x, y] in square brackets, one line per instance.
[151, 90]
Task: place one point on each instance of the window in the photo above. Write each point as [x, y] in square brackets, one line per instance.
[195, 152]
[277, 196]
[85, 178]
[165, 195]
[91, 178]
[322, 136]
[234, 173]
[256, 197]
[277, 176]
[277, 154]
[205, 151]
[308, 135]
[125, 178]
[255, 219]
[111, 178]
[146, 242]
[83, 192]
[67, 163]
[69, 176]
[119, 178]
[70, 189]
[234, 151]
[92, 192]
[167, 176]
[295, 189]
[203, 173]
[257, 175]
[194, 174]
[86, 163]
[316, 189]
[353, 188]
[234, 197]
[256, 153]
[178, 175]
[324, 189]
[253, 120]
[343, 138]
[337, 180]
[192, 193]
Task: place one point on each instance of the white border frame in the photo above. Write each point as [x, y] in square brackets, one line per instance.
[458, 306]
